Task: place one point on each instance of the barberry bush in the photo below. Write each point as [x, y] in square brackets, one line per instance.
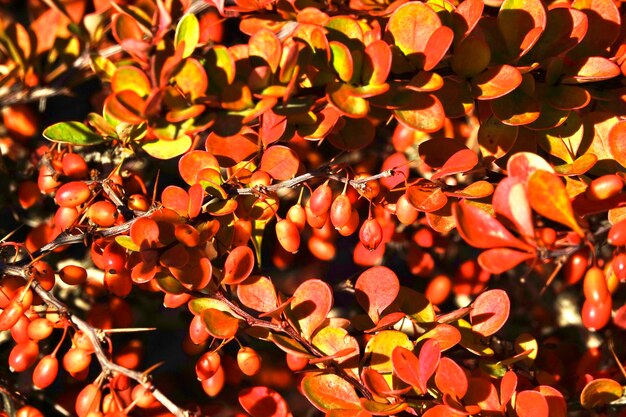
[276, 208]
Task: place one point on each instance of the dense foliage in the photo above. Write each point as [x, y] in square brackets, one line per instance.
[343, 208]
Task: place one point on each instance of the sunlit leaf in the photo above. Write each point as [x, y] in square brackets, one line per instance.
[450, 378]
[599, 392]
[330, 392]
[73, 133]
[548, 197]
[238, 265]
[220, 324]
[167, 149]
[311, 303]
[280, 162]
[531, 404]
[490, 311]
[376, 289]
[258, 293]
[481, 230]
[380, 347]
[500, 260]
[187, 31]
[263, 402]
[496, 82]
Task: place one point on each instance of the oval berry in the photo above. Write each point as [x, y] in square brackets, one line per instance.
[102, 213]
[248, 361]
[72, 194]
[288, 235]
[23, 356]
[340, 211]
[46, 371]
[604, 187]
[617, 234]
[74, 166]
[371, 234]
[297, 215]
[594, 285]
[438, 289]
[73, 274]
[576, 266]
[321, 199]
[207, 365]
[213, 385]
[596, 315]
[76, 360]
[406, 211]
[88, 400]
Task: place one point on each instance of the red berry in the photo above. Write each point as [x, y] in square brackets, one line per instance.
[73, 274]
[23, 356]
[596, 315]
[249, 361]
[340, 211]
[594, 285]
[371, 234]
[604, 187]
[321, 199]
[288, 235]
[72, 194]
[207, 365]
[46, 371]
[617, 234]
[74, 166]
[102, 213]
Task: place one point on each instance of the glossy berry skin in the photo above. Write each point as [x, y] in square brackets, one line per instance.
[321, 199]
[288, 235]
[340, 211]
[617, 234]
[371, 234]
[88, 400]
[604, 187]
[576, 266]
[213, 385]
[249, 361]
[74, 166]
[72, 194]
[207, 365]
[23, 356]
[596, 315]
[406, 211]
[102, 213]
[73, 274]
[46, 371]
[297, 215]
[594, 285]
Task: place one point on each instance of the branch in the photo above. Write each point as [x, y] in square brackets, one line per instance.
[96, 336]
[286, 328]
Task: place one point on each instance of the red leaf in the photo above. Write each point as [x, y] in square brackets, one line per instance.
[462, 161]
[239, 265]
[523, 164]
[176, 198]
[481, 392]
[220, 324]
[231, 150]
[376, 289]
[490, 311]
[310, 305]
[280, 162]
[556, 403]
[190, 164]
[547, 196]
[263, 402]
[496, 82]
[508, 385]
[531, 404]
[481, 230]
[509, 199]
[617, 142]
[500, 260]
[258, 293]
[429, 356]
[406, 367]
[450, 378]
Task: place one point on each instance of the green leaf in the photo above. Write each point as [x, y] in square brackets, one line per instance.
[188, 30]
[74, 133]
